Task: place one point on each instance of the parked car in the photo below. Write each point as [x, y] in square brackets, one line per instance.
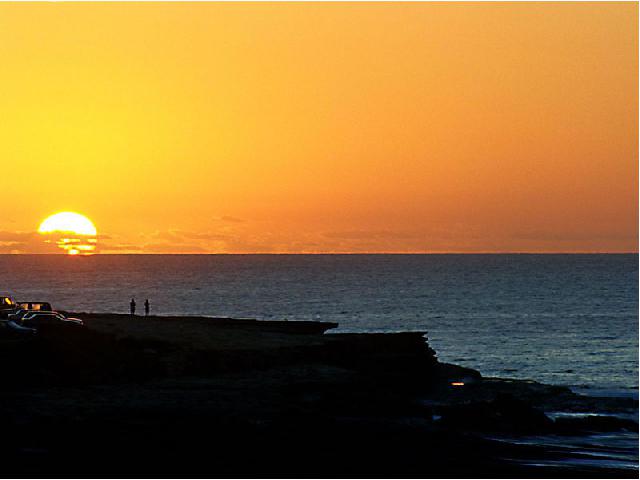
[36, 314]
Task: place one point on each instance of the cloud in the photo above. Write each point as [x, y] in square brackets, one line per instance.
[167, 247]
[12, 247]
[120, 248]
[174, 241]
[205, 235]
[372, 235]
[556, 236]
[34, 242]
[180, 236]
[25, 242]
[168, 235]
[181, 241]
[6, 236]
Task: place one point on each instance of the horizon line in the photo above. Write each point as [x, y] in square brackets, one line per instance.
[333, 253]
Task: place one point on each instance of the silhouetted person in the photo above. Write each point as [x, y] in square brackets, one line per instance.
[146, 307]
[132, 306]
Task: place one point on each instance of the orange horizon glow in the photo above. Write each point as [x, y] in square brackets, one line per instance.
[322, 127]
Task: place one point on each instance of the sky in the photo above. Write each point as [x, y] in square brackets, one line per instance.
[322, 127]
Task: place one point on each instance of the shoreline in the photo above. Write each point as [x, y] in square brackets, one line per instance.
[263, 388]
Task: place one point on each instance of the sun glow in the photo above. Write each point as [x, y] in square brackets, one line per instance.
[68, 222]
[72, 232]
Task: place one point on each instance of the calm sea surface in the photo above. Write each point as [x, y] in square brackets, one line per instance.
[560, 319]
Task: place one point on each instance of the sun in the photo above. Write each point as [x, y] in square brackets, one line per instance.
[70, 222]
[72, 232]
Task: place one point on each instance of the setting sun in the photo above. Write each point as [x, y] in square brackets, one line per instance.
[68, 222]
[71, 231]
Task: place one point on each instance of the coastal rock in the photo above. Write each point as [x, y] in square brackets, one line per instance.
[505, 414]
[448, 372]
[146, 391]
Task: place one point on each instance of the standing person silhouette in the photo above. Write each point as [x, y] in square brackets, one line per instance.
[132, 307]
[146, 307]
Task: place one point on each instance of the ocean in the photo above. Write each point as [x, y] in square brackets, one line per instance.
[560, 319]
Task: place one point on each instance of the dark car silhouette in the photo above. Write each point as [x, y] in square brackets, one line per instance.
[32, 315]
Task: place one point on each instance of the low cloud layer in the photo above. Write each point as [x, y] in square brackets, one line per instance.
[237, 236]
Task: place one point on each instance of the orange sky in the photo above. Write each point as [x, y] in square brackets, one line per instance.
[334, 127]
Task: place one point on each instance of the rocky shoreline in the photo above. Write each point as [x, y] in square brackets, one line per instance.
[209, 397]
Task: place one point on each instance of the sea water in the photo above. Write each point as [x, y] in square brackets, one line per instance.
[560, 319]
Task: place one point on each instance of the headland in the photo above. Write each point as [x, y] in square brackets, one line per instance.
[215, 397]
